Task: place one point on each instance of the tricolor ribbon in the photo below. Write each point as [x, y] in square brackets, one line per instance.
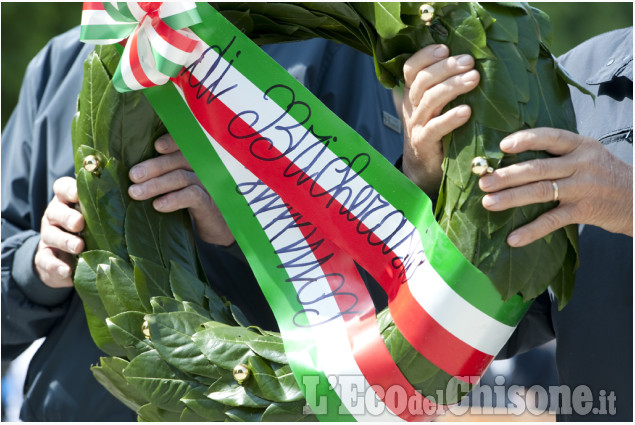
[159, 42]
[306, 197]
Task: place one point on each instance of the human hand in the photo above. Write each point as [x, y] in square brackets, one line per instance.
[432, 80]
[170, 178]
[594, 186]
[54, 255]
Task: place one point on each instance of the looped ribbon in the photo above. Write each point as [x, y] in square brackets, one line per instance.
[159, 41]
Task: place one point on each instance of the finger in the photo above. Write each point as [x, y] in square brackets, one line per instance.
[527, 172]
[435, 99]
[166, 144]
[548, 222]
[61, 215]
[438, 73]
[166, 183]
[423, 59]
[552, 140]
[65, 188]
[438, 127]
[533, 193]
[52, 271]
[193, 196]
[58, 239]
[158, 166]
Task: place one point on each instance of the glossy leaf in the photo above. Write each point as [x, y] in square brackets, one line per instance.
[109, 373]
[185, 285]
[197, 401]
[272, 381]
[162, 384]
[227, 391]
[126, 330]
[172, 336]
[142, 225]
[101, 335]
[150, 280]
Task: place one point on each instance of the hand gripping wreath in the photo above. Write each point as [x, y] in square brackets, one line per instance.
[178, 350]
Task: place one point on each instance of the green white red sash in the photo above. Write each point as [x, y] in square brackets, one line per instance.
[304, 196]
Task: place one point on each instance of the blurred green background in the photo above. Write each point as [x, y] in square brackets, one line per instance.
[26, 27]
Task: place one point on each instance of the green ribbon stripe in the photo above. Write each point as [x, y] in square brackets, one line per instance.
[122, 14]
[251, 238]
[106, 32]
[463, 277]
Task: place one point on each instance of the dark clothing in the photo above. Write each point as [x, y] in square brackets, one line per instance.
[594, 332]
[37, 150]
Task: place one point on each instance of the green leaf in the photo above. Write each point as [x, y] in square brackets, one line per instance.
[218, 308]
[101, 335]
[176, 240]
[122, 120]
[287, 412]
[85, 281]
[467, 34]
[272, 381]
[384, 16]
[109, 297]
[141, 231]
[95, 81]
[172, 336]
[157, 381]
[505, 27]
[227, 391]
[225, 346]
[109, 373]
[244, 414]
[198, 402]
[122, 275]
[153, 413]
[103, 203]
[166, 305]
[185, 285]
[268, 347]
[150, 280]
[126, 329]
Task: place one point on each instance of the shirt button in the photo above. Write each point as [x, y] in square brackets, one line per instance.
[610, 62]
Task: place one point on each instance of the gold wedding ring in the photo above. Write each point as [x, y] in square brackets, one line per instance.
[555, 190]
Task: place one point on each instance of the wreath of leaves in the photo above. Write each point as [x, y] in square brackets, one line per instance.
[173, 342]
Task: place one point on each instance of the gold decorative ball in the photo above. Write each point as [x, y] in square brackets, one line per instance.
[426, 12]
[480, 166]
[91, 163]
[145, 328]
[241, 373]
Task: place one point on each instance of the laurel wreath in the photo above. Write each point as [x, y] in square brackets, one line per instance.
[180, 352]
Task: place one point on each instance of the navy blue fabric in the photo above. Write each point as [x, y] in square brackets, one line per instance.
[594, 332]
[36, 150]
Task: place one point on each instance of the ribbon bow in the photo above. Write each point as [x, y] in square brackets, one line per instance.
[159, 44]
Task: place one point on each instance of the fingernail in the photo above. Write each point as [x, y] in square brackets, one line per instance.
[464, 60]
[159, 204]
[463, 111]
[441, 52]
[135, 191]
[507, 143]
[489, 200]
[73, 246]
[63, 271]
[514, 239]
[485, 182]
[470, 77]
[137, 172]
[161, 144]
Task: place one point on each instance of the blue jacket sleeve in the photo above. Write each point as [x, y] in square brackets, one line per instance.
[36, 150]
